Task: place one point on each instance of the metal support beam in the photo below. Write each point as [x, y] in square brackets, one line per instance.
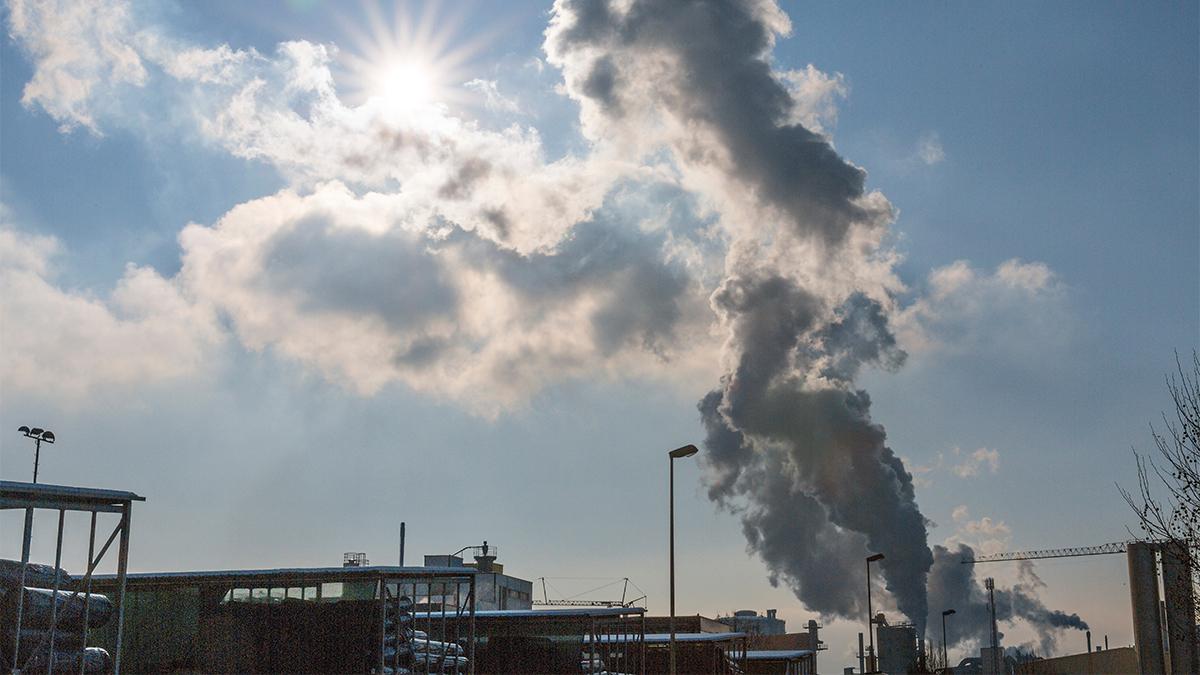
[122, 569]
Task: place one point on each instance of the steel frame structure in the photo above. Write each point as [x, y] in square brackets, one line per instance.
[442, 604]
[63, 498]
[1071, 552]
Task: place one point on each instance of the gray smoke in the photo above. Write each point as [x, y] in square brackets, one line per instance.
[791, 446]
[954, 585]
[810, 474]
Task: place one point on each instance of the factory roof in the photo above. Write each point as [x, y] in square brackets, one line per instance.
[557, 613]
[664, 638]
[298, 575]
[777, 654]
[20, 495]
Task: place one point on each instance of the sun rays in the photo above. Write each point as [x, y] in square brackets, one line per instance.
[407, 58]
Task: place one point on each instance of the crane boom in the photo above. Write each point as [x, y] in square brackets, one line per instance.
[1077, 551]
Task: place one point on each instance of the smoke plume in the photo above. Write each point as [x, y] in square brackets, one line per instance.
[791, 446]
[952, 584]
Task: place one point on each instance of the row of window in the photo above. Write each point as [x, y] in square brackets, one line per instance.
[333, 592]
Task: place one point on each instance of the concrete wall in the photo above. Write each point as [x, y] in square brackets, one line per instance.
[1119, 661]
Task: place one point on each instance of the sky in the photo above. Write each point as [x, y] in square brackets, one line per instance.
[299, 271]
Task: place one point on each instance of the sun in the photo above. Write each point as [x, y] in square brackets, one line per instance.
[405, 84]
[406, 61]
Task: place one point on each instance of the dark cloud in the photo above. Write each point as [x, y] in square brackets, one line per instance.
[352, 271]
[471, 171]
[601, 84]
[639, 295]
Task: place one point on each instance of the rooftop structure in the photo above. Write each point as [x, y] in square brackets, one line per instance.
[74, 611]
[898, 648]
[749, 621]
[494, 588]
[323, 619]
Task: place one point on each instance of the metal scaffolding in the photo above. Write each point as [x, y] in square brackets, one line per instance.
[63, 498]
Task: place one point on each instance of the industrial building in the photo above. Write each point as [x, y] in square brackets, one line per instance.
[493, 588]
[899, 648]
[326, 619]
[449, 615]
[1119, 661]
[750, 622]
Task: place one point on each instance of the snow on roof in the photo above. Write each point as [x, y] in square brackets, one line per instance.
[777, 654]
[291, 574]
[42, 491]
[563, 612]
[664, 638]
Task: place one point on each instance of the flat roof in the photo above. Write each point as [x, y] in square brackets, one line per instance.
[20, 495]
[285, 575]
[665, 638]
[777, 654]
[557, 613]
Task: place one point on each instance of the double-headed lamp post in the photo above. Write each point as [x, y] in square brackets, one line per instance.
[871, 619]
[677, 453]
[945, 657]
[38, 436]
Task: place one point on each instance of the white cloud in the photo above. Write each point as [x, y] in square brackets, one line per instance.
[970, 466]
[986, 535]
[978, 461]
[348, 286]
[70, 345]
[82, 53]
[1015, 312]
[929, 149]
[493, 100]
[816, 95]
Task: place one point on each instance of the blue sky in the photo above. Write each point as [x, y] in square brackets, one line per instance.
[1039, 271]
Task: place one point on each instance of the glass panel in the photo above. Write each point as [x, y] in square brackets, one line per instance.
[332, 591]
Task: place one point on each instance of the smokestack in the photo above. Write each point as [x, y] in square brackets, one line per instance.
[1143, 594]
[1089, 640]
[1181, 608]
[862, 657]
[990, 584]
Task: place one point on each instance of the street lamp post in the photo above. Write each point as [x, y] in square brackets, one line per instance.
[38, 435]
[677, 453]
[870, 619]
[945, 655]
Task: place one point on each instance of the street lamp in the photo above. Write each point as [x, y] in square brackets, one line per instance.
[38, 436]
[677, 453]
[945, 657]
[871, 619]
